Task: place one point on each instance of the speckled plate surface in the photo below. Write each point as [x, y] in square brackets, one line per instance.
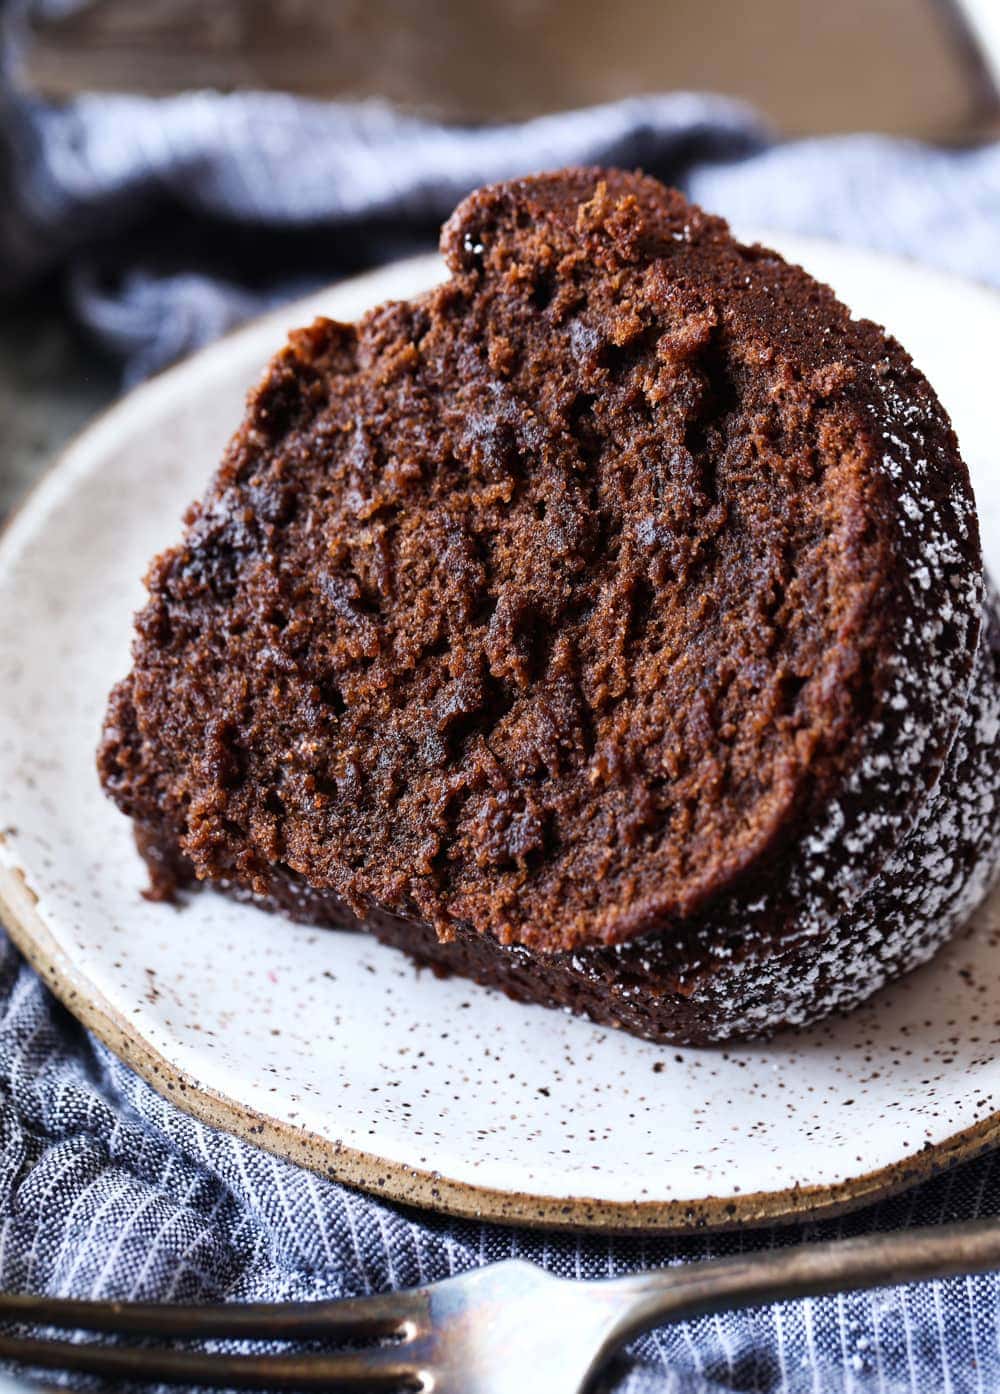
[333, 1050]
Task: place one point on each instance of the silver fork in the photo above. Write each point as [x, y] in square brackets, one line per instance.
[507, 1329]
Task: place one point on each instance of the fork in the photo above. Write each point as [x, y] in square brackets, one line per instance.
[510, 1328]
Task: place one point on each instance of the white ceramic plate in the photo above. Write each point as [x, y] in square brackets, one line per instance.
[333, 1050]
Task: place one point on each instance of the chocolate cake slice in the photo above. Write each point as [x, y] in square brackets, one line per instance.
[608, 624]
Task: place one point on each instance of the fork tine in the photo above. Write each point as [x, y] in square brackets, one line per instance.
[381, 1368]
[387, 1314]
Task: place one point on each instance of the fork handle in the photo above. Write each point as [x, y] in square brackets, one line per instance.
[805, 1270]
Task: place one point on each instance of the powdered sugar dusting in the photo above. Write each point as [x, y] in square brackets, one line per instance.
[910, 846]
[869, 922]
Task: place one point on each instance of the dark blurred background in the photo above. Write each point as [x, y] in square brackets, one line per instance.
[912, 67]
[925, 69]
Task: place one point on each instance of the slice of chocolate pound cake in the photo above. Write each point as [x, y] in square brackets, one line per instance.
[608, 624]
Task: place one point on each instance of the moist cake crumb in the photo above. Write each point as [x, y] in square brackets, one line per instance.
[607, 623]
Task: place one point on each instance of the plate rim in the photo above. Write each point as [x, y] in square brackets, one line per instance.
[432, 1190]
[361, 1168]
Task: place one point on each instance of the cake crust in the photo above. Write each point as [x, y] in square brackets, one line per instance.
[602, 624]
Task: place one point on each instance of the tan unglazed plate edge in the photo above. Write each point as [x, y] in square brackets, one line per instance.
[416, 1185]
[411, 1186]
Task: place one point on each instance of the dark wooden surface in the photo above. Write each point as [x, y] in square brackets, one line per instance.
[51, 382]
[810, 65]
